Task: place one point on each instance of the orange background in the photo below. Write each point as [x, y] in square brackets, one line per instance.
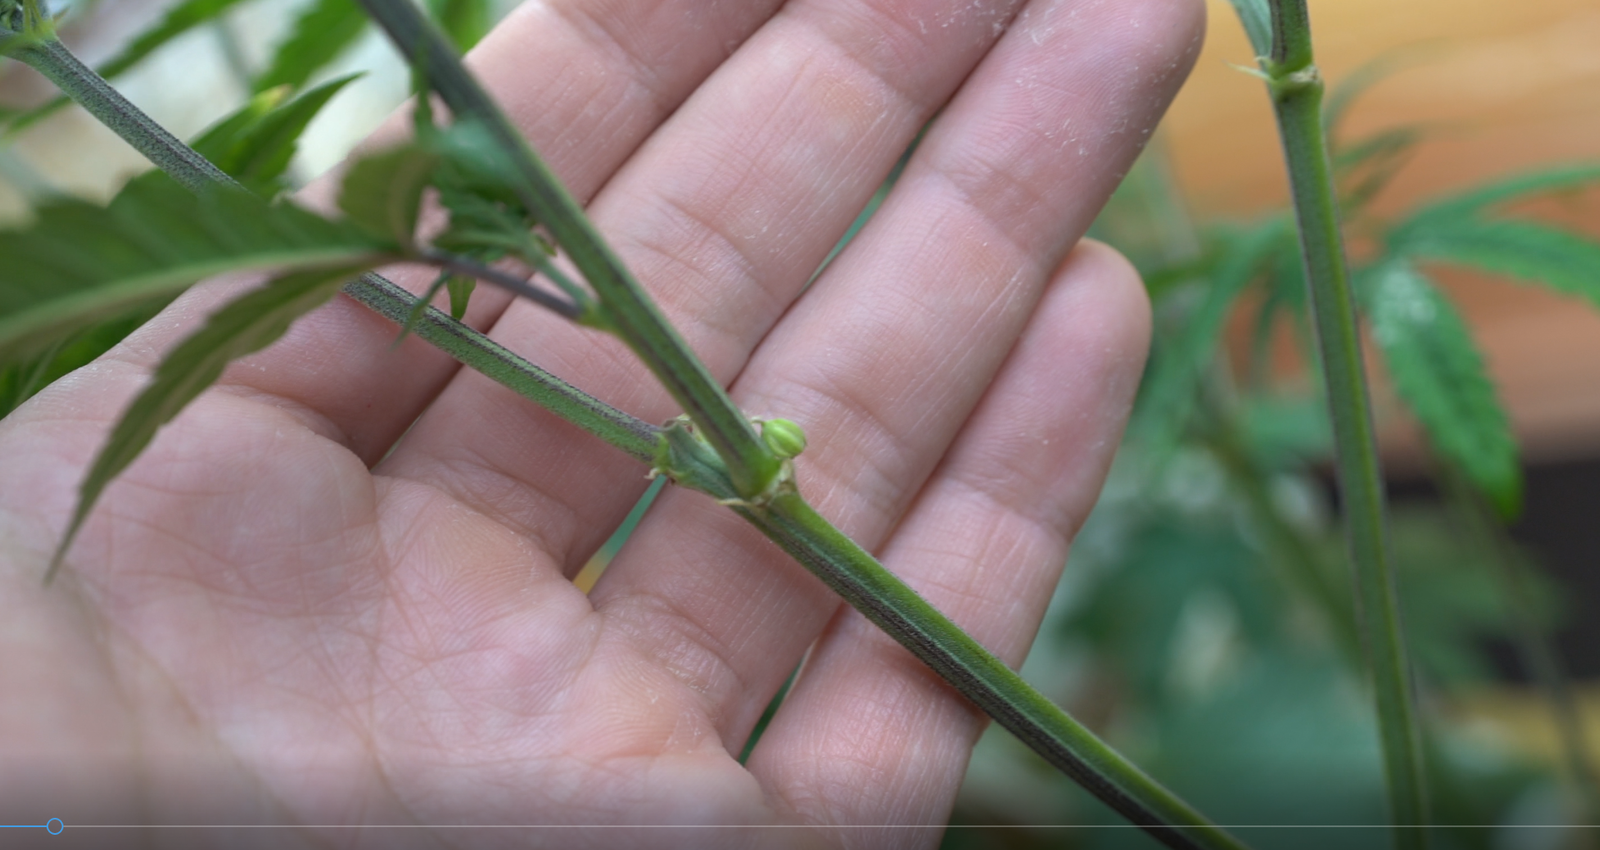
[1505, 87]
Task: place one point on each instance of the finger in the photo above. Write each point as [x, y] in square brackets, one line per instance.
[984, 543]
[725, 213]
[585, 81]
[883, 360]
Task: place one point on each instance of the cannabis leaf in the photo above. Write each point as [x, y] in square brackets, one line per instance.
[79, 264]
[1559, 259]
[247, 324]
[383, 192]
[256, 144]
[326, 29]
[1440, 376]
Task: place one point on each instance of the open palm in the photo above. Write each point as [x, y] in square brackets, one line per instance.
[337, 590]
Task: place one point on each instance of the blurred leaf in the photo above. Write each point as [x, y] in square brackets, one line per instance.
[257, 150]
[1133, 614]
[79, 264]
[1480, 198]
[1177, 365]
[1367, 166]
[1148, 221]
[1257, 21]
[464, 21]
[1282, 432]
[1561, 260]
[247, 324]
[383, 192]
[214, 142]
[21, 380]
[179, 20]
[460, 288]
[1453, 599]
[1440, 376]
[1344, 94]
[322, 32]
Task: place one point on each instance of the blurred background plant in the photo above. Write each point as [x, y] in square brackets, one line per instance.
[1205, 621]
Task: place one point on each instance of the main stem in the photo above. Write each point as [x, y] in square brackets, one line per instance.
[1297, 89]
[851, 571]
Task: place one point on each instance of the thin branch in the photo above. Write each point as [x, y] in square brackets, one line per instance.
[505, 280]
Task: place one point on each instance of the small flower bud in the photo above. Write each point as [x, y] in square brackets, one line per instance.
[783, 437]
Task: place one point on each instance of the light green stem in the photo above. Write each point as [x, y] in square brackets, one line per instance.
[52, 59]
[1296, 87]
[786, 519]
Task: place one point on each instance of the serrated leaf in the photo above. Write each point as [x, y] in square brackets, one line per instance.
[322, 32]
[1479, 199]
[382, 193]
[179, 20]
[247, 324]
[79, 264]
[464, 21]
[1257, 21]
[1440, 376]
[1566, 262]
[263, 149]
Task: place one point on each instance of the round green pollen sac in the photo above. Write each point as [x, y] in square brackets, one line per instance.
[783, 437]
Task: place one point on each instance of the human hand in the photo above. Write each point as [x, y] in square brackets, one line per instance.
[272, 617]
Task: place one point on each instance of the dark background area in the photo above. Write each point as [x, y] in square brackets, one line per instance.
[1560, 528]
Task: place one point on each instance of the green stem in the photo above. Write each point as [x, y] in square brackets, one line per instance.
[1296, 88]
[981, 677]
[505, 280]
[627, 309]
[52, 59]
[786, 519]
[956, 657]
[630, 434]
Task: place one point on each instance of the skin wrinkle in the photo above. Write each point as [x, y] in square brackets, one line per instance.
[601, 31]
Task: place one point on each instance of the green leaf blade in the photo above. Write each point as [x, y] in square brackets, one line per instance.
[256, 144]
[464, 21]
[1479, 199]
[79, 264]
[382, 193]
[324, 31]
[1561, 260]
[245, 325]
[1440, 375]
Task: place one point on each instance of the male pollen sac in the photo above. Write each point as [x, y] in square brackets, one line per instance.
[783, 437]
